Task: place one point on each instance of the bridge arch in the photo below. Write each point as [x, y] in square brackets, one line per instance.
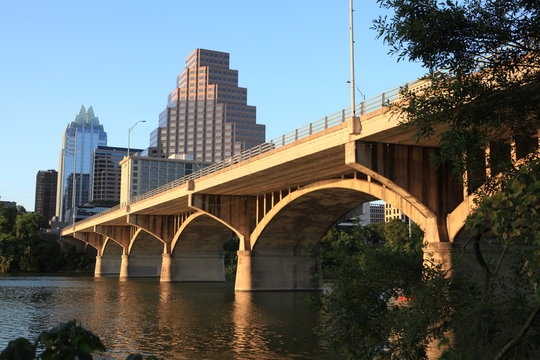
[145, 254]
[111, 247]
[202, 224]
[197, 248]
[339, 196]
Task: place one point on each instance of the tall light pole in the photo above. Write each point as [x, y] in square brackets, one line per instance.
[351, 31]
[129, 134]
[129, 162]
[74, 184]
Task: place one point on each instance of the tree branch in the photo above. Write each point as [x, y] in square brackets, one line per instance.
[513, 342]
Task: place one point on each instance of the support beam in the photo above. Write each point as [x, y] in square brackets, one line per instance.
[236, 212]
[91, 238]
[121, 234]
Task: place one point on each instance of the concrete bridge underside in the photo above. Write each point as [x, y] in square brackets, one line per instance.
[276, 204]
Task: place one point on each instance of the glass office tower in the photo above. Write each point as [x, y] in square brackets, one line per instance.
[207, 117]
[82, 136]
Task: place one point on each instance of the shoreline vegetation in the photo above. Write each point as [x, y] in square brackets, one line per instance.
[26, 248]
[66, 341]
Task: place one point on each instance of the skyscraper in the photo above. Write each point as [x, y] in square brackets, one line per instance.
[106, 173]
[46, 192]
[207, 116]
[82, 136]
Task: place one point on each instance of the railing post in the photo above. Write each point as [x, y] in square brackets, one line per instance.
[326, 122]
[282, 139]
[343, 115]
[362, 108]
[310, 128]
[382, 99]
[295, 134]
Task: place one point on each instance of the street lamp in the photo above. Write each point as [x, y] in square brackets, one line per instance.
[74, 181]
[351, 30]
[129, 134]
[129, 162]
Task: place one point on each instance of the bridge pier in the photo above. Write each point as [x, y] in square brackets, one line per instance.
[166, 268]
[107, 265]
[275, 270]
[124, 266]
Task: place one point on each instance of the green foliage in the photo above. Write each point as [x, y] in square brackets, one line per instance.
[7, 220]
[496, 98]
[67, 341]
[18, 349]
[27, 225]
[369, 281]
[230, 249]
[23, 248]
[506, 307]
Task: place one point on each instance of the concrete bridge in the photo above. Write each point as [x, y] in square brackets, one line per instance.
[277, 198]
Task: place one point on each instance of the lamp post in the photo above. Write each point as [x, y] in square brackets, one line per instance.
[129, 134]
[129, 162]
[74, 180]
[353, 108]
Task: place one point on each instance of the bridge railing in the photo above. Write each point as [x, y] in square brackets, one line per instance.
[329, 121]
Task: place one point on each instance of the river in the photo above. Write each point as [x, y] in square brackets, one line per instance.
[168, 320]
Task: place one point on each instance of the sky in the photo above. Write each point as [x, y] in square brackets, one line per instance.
[123, 57]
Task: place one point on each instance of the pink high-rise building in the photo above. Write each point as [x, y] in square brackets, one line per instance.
[207, 117]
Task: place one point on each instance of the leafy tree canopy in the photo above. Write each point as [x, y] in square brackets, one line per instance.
[490, 88]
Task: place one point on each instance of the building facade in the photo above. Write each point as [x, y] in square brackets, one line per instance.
[391, 213]
[147, 173]
[207, 116]
[367, 213]
[82, 136]
[106, 173]
[45, 202]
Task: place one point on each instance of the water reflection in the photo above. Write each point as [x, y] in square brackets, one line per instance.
[172, 321]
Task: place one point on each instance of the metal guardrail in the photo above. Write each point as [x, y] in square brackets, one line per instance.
[364, 107]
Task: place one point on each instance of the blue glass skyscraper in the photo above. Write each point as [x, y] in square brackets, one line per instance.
[82, 136]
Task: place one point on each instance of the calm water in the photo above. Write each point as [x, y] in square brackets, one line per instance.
[172, 321]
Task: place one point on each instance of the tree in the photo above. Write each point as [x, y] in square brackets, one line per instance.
[487, 96]
[27, 225]
[66, 341]
[490, 89]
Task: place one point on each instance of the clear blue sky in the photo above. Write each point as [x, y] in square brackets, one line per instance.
[122, 57]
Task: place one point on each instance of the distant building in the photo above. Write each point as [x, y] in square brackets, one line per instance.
[391, 213]
[207, 116]
[367, 213]
[106, 173]
[149, 173]
[82, 136]
[7, 204]
[46, 193]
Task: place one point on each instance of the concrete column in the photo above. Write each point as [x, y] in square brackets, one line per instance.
[440, 253]
[124, 274]
[276, 269]
[166, 268]
[97, 269]
[243, 271]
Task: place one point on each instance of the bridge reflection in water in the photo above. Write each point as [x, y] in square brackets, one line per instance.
[169, 320]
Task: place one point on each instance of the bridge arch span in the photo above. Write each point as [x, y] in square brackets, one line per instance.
[197, 248]
[201, 225]
[145, 255]
[322, 203]
[111, 247]
[110, 260]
